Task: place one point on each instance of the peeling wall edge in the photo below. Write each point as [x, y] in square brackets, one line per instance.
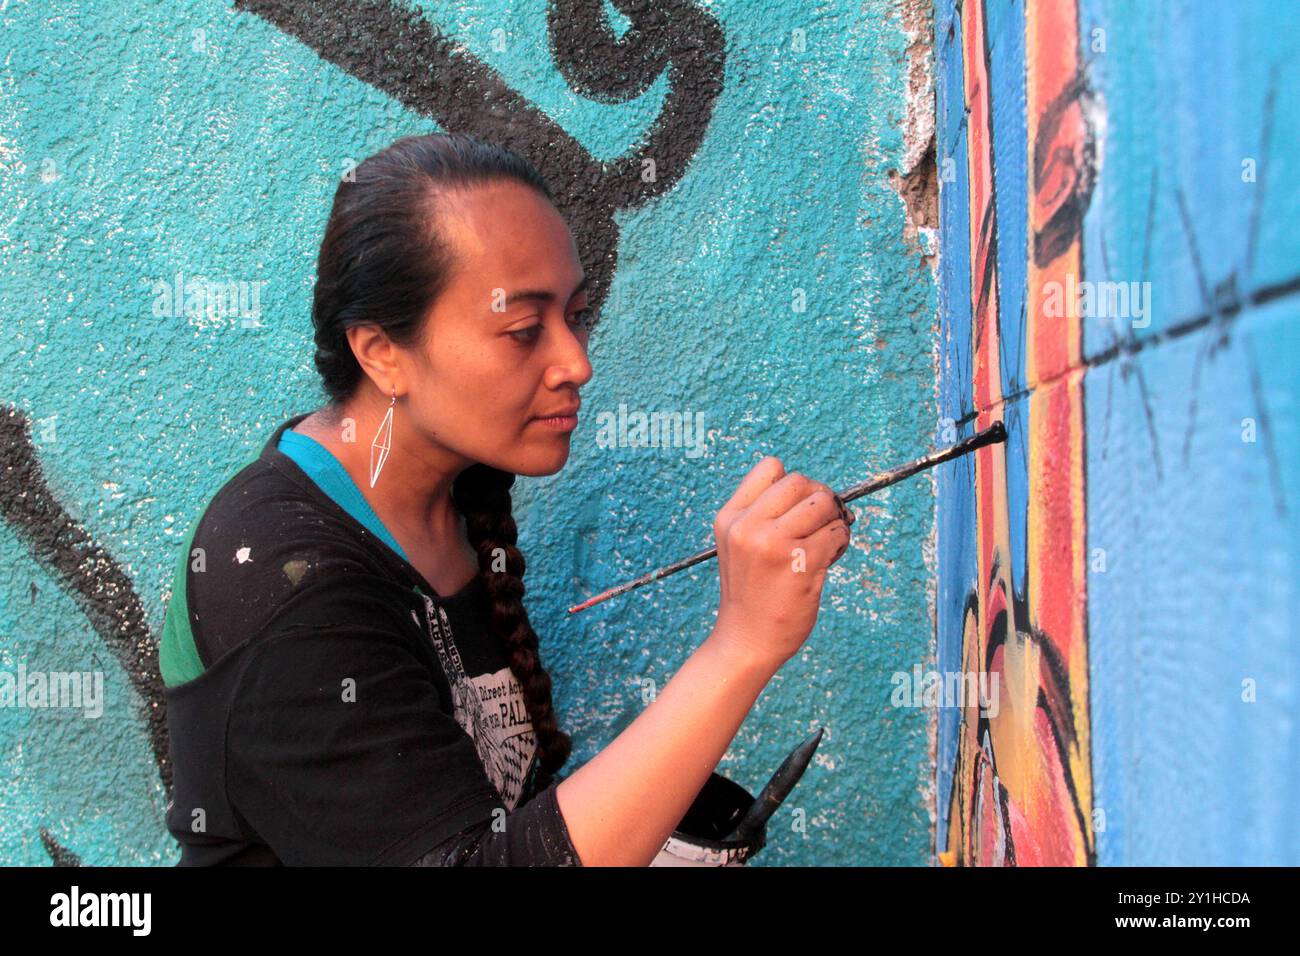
[917, 185]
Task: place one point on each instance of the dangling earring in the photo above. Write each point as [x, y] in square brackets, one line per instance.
[383, 442]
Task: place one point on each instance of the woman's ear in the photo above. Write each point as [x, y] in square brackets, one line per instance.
[378, 357]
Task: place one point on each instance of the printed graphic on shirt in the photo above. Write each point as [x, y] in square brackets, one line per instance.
[491, 709]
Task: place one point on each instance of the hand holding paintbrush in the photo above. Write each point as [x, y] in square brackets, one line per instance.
[777, 537]
[991, 435]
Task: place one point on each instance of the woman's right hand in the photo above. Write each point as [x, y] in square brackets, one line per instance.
[777, 537]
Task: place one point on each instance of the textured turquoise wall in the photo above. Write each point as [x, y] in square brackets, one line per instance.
[139, 140]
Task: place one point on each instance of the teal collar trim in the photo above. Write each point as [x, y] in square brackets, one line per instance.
[332, 478]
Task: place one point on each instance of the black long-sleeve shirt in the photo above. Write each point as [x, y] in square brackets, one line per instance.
[533, 835]
[325, 705]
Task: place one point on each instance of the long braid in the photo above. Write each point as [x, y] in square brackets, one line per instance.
[482, 494]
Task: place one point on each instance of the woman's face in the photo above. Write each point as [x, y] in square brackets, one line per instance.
[505, 345]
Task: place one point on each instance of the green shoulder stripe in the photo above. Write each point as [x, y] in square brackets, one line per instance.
[178, 657]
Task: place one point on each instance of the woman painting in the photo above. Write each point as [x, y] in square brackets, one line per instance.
[351, 677]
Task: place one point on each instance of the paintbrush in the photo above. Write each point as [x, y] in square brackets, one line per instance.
[777, 789]
[993, 434]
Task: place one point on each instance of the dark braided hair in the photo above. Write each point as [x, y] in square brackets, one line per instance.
[383, 262]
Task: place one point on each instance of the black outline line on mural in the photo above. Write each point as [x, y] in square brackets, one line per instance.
[87, 573]
[398, 51]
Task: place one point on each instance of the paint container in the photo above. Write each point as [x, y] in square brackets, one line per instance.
[703, 837]
[726, 825]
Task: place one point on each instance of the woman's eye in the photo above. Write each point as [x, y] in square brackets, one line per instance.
[584, 319]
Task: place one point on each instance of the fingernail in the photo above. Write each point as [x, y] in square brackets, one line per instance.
[845, 513]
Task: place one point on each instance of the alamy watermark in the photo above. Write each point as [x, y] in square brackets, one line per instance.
[75, 908]
[1098, 300]
[638, 429]
[946, 689]
[209, 301]
[77, 690]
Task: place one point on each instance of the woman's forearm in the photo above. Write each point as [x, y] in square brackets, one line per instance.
[622, 806]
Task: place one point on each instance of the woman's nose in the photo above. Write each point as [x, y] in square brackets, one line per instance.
[572, 357]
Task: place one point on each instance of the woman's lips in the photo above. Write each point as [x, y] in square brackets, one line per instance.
[564, 423]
